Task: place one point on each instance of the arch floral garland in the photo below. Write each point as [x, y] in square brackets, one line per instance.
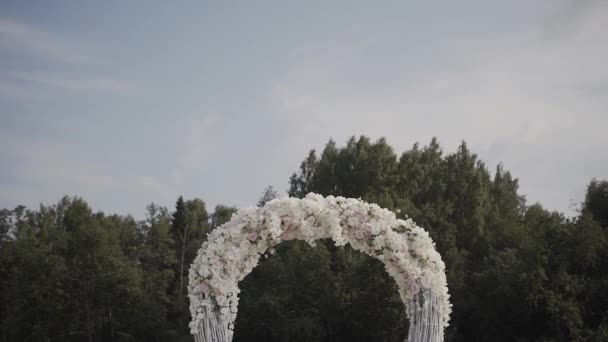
[234, 249]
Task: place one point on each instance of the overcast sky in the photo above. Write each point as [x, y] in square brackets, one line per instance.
[129, 102]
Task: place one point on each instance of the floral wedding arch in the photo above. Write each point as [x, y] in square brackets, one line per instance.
[234, 249]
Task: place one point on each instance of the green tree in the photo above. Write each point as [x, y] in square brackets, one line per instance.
[69, 277]
[268, 195]
[301, 183]
[189, 228]
[477, 222]
[516, 272]
[157, 259]
[362, 303]
[596, 201]
[221, 215]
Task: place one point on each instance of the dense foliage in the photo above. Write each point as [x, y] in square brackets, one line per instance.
[516, 272]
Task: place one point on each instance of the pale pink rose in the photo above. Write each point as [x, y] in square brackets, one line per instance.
[252, 237]
[359, 235]
[413, 287]
[288, 235]
[203, 287]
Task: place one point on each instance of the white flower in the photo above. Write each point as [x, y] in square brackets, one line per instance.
[234, 249]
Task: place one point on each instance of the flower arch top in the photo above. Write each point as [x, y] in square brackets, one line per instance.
[234, 249]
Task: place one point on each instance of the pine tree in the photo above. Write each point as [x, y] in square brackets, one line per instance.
[157, 260]
[179, 230]
[301, 183]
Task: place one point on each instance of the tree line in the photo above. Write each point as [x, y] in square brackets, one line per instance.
[516, 271]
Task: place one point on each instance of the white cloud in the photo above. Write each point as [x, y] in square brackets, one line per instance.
[536, 102]
[40, 170]
[19, 36]
[70, 81]
[9, 89]
[195, 136]
[13, 195]
[51, 50]
[46, 169]
[197, 140]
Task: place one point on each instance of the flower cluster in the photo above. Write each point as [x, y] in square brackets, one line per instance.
[234, 249]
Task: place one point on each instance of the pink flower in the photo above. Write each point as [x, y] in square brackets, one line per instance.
[288, 235]
[203, 287]
[252, 237]
[413, 287]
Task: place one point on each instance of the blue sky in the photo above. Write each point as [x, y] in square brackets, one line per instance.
[129, 102]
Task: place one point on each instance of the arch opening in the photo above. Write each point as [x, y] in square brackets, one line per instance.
[322, 293]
